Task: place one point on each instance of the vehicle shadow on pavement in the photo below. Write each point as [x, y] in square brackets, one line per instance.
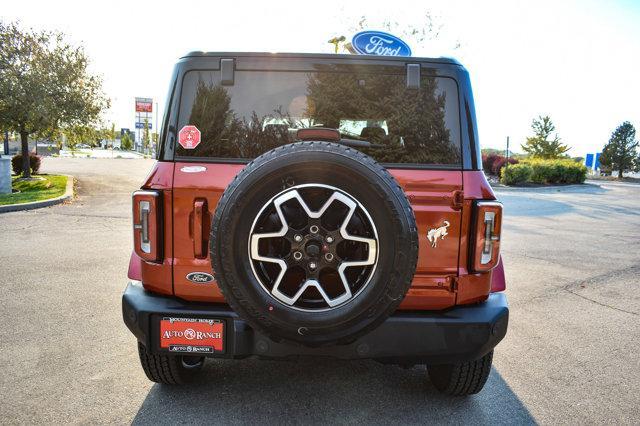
[324, 391]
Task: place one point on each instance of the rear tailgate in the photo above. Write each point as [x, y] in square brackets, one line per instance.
[432, 193]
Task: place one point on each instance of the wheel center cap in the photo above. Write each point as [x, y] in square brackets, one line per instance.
[313, 248]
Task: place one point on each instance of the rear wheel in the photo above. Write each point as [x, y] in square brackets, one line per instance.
[169, 369]
[461, 379]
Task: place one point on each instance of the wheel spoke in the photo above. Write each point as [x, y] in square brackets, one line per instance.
[255, 245]
[370, 242]
[308, 283]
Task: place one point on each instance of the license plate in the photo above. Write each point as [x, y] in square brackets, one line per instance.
[192, 335]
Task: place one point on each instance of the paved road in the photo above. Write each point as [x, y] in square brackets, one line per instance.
[570, 356]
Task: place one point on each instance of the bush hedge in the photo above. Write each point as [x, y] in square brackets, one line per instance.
[516, 174]
[557, 171]
[544, 172]
[34, 161]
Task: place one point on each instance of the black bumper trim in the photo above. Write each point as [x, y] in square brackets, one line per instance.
[459, 334]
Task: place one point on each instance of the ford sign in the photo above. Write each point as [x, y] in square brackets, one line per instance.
[379, 43]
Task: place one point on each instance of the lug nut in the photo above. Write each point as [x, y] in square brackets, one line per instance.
[314, 229]
[329, 257]
[329, 239]
[297, 255]
[297, 238]
[313, 265]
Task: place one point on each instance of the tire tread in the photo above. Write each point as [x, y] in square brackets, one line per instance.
[461, 379]
[163, 368]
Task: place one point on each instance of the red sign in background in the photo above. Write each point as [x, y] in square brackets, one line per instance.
[142, 106]
[189, 137]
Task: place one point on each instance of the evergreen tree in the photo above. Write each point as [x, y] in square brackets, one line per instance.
[620, 153]
[540, 145]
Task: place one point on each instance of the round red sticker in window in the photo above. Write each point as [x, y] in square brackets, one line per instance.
[189, 137]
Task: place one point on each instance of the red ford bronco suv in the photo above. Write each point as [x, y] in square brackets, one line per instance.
[318, 205]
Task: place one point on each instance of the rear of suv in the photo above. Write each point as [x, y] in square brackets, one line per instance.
[318, 205]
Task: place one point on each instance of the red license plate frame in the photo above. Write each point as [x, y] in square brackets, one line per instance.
[192, 335]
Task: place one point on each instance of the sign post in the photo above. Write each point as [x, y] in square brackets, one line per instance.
[144, 114]
[506, 163]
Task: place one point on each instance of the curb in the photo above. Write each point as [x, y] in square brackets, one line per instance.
[544, 187]
[68, 194]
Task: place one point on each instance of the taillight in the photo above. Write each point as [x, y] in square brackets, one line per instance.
[486, 247]
[147, 225]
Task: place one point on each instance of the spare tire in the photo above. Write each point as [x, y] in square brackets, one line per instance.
[315, 243]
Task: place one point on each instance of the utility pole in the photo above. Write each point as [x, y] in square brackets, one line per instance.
[506, 163]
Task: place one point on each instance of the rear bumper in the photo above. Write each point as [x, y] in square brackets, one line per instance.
[458, 334]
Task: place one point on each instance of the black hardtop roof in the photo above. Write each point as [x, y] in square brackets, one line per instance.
[330, 56]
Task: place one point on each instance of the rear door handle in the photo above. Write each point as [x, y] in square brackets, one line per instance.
[199, 209]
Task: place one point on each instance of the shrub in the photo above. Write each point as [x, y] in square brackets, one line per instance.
[492, 163]
[34, 161]
[487, 162]
[516, 174]
[500, 162]
[557, 171]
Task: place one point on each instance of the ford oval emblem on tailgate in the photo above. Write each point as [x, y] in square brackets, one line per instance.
[379, 43]
[200, 277]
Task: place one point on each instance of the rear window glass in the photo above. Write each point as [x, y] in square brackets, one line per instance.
[375, 112]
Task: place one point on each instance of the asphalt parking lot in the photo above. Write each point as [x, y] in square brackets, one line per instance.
[572, 258]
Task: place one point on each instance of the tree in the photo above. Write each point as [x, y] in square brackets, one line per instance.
[540, 145]
[417, 131]
[620, 153]
[126, 143]
[418, 29]
[45, 86]
[145, 136]
[110, 134]
[212, 114]
[79, 134]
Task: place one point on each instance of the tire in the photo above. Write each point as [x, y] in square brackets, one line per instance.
[343, 172]
[168, 369]
[467, 378]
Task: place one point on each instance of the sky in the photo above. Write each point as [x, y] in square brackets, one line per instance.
[576, 61]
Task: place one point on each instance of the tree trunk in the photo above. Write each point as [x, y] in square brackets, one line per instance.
[620, 173]
[26, 164]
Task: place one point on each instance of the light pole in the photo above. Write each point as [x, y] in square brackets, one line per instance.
[157, 130]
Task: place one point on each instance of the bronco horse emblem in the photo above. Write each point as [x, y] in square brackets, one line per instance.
[435, 233]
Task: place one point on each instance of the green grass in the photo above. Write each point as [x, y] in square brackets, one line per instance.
[35, 190]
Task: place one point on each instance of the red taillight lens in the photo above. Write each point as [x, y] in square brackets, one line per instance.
[488, 224]
[147, 231]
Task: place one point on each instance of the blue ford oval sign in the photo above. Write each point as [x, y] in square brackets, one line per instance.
[379, 43]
